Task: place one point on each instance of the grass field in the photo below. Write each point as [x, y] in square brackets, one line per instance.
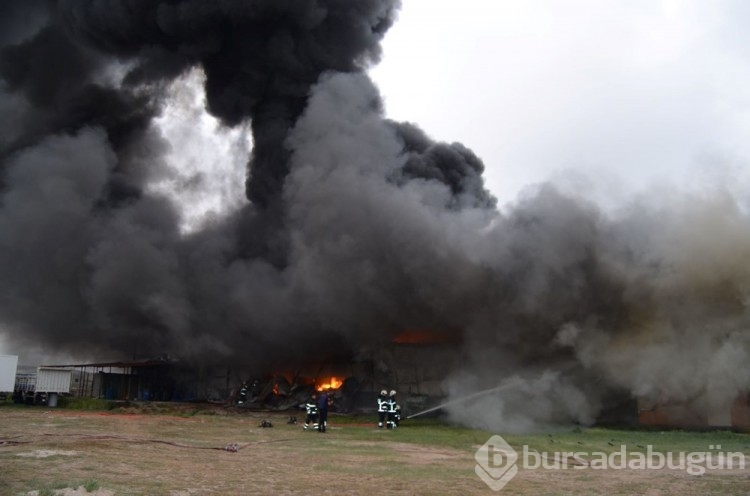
[156, 449]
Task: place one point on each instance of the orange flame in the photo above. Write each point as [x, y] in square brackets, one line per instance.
[333, 383]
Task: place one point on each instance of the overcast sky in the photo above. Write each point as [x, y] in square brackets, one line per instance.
[627, 92]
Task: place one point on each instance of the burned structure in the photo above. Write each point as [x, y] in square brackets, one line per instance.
[354, 229]
[415, 364]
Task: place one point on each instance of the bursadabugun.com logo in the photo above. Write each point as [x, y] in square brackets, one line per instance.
[497, 461]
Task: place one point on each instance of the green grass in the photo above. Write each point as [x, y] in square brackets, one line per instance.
[438, 433]
[51, 488]
[89, 404]
[610, 440]
[90, 485]
[429, 431]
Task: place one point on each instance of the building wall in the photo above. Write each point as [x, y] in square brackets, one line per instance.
[684, 415]
[741, 413]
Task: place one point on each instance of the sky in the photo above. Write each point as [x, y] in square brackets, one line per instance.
[612, 96]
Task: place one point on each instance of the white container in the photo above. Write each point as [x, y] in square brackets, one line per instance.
[8, 366]
[53, 380]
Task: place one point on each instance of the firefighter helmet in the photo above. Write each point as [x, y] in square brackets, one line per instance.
[383, 393]
[393, 392]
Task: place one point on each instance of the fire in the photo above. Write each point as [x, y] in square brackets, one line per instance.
[333, 383]
[423, 336]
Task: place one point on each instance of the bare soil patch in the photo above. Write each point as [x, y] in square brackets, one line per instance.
[55, 451]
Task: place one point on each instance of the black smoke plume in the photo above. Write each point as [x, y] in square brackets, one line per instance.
[354, 228]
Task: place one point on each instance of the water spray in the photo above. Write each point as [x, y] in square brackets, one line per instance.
[507, 384]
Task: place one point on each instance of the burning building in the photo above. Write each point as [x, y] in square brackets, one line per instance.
[354, 228]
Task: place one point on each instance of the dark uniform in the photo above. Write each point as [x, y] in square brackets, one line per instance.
[323, 411]
[242, 396]
[382, 408]
[311, 409]
[394, 411]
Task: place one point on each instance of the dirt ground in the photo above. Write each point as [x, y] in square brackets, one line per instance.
[45, 452]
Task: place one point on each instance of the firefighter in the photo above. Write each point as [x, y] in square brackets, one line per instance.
[382, 407]
[311, 409]
[393, 410]
[242, 396]
[323, 403]
[397, 416]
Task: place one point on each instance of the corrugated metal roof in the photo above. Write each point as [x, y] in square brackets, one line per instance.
[134, 364]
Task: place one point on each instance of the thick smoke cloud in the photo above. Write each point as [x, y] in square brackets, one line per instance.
[260, 58]
[355, 228]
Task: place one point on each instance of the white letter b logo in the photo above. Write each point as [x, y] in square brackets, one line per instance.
[496, 463]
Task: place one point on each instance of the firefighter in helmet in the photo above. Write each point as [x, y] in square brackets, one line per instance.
[311, 409]
[382, 408]
[242, 396]
[393, 410]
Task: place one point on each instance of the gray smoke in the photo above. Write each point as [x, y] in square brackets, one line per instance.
[355, 228]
